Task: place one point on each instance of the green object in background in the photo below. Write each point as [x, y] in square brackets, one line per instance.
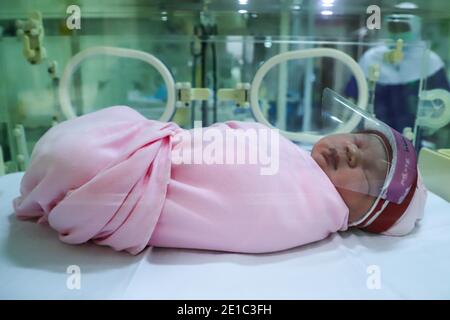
[2, 163]
[434, 166]
[446, 152]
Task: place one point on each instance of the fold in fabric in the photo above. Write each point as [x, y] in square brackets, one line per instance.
[235, 208]
[102, 176]
[109, 177]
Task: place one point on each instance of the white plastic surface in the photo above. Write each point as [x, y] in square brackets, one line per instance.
[33, 264]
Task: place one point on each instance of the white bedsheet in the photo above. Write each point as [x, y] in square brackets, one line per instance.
[33, 265]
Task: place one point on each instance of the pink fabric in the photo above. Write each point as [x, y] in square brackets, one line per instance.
[108, 177]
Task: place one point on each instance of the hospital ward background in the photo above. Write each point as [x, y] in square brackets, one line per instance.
[203, 62]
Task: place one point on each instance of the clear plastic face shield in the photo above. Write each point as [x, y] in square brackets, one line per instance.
[403, 26]
[362, 154]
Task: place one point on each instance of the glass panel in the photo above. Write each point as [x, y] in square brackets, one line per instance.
[212, 44]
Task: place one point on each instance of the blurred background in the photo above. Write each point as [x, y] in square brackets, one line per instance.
[218, 44]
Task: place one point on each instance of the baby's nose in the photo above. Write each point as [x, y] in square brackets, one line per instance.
[352, 154]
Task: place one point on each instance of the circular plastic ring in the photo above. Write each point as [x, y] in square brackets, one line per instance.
[302, 54]
[63, 90]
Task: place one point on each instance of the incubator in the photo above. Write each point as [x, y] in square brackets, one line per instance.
[177, 64]
[310, 68]
[430, 133]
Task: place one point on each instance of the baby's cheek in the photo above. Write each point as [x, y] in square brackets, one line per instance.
[350, 179]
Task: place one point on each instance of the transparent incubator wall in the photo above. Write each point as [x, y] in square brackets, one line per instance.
[196, 54]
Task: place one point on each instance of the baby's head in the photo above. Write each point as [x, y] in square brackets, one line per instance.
[374, 170]
[376, 176]
[357, 164]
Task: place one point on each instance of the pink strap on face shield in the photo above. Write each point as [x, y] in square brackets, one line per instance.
[404, 168]
[399, 189]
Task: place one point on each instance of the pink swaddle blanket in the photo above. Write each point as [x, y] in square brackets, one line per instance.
[108, 176]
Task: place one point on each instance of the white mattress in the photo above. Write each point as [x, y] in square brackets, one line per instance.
[33, 264]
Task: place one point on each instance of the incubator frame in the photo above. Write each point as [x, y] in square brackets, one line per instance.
[302, 54]
[180, 94]
[63, 90]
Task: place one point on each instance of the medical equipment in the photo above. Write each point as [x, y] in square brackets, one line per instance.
[374, 74]
[201, 61]
[434, 165]
[433, 111]
[240, 95]
[2, 163]
[32, 33]
[70, 68]
[301, 54]
[433, 114]
[23, 157]
[204, 31]
[345, 265]
[389, 154]
[374, 160]
[244, 94]
[185, 94]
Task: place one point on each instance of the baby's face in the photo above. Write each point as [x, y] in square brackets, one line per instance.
[357, 166]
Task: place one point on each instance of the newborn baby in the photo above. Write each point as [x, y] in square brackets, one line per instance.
[119, 179]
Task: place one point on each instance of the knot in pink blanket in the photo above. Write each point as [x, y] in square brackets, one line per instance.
[101, 176]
